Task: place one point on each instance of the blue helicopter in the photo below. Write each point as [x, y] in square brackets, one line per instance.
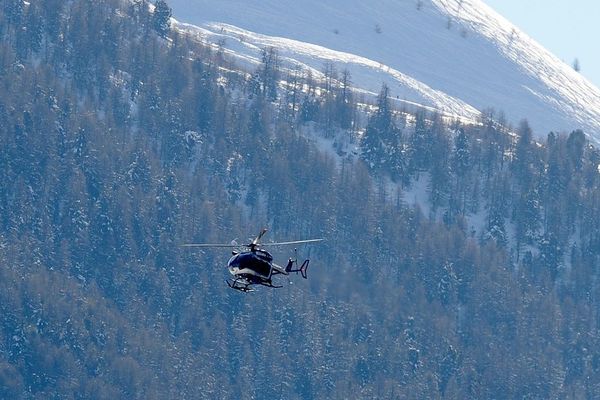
[255, 266]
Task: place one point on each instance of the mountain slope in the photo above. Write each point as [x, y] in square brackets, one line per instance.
[121, 140]
[456, 56]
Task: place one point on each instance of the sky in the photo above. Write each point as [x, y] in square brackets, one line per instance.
[568, 28]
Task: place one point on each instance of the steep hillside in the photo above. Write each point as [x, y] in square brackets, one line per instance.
[121, 139]
[457, 56]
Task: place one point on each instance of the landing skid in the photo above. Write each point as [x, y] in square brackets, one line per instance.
[243, 285]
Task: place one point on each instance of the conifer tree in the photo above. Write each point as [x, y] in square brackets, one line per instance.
[344, 108]
[269, 73]
[440, 183]
[161, 18]
[381, 141]
[497, 211]
[575, 149]
[461, 158]
[14, 10]
[421, 143]
[524, 158]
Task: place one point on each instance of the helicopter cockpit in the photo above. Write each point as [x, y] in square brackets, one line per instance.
[253, 261]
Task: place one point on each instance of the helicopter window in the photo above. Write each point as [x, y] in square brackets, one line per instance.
[241, 260]
[265, 255]
[246, 258]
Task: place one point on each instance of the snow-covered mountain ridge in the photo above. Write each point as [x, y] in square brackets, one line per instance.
[456, 56]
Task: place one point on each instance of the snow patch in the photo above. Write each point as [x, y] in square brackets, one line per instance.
[455, 56]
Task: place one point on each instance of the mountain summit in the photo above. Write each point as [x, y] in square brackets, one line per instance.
[458, 57]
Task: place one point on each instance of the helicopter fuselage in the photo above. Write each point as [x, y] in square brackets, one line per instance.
[257, 263]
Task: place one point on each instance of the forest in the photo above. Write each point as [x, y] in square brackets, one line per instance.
[460, 260]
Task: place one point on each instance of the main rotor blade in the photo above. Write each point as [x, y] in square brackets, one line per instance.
[292, 242]
[260, 235]
[209, 245]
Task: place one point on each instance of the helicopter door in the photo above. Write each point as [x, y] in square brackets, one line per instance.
[261, 267]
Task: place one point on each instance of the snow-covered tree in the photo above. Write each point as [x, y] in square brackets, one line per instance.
[161, 18]
[381, 148]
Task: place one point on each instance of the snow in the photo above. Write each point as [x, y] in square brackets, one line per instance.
[247, 47]
[418, 194]
[456, 56]
[477, 222]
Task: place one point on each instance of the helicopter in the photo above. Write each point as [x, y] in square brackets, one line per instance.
[255, 266]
